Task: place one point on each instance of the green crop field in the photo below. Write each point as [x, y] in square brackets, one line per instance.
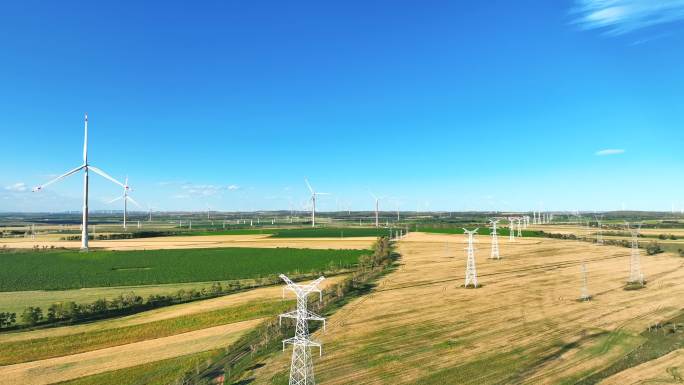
[330, 232]
[58, 270]
[162, 372]
[503, 231]
[41, 348]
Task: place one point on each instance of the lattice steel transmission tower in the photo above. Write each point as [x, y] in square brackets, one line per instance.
[301, 368]
[471, 271]
[511, 229]
[584, 296]
[495, 240]
[599, 230]
[635, 274]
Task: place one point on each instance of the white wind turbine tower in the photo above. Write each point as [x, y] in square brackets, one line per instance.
[149, 210]
[86, 168]
[377, 209]
[314, 194]
[125, 197]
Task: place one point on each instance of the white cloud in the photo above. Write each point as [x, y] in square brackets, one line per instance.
[610, 151]
[203, 190]
[17, 187]
[618, 17]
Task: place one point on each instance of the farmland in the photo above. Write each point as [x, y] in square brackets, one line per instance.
[524, 325]
[48, 347]
[128, 348]
[503, 231]
[302, 232]
[418, 326]
[58, 270]
[191, 242]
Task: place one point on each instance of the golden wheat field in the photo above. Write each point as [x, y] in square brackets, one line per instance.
[193, 242]
[523, 326]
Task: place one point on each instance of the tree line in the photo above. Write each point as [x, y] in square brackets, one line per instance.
[69, 312]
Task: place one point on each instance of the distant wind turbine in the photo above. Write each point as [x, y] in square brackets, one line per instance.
[314, 194]
[149, 209]
[377, 209]
[85, 167]
[125, 197]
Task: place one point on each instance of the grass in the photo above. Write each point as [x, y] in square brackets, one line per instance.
[229, 232]
[42, 348]
[657, 342]
[61, 270]
[479, 371]
[17, 301]
[154, 373]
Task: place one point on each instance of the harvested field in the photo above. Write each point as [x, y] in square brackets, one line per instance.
[195, 242]
[54, 370]
[668, 369]
[523, 326]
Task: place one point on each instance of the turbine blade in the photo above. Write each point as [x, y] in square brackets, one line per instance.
[133, 200]
[115, 199]
[104, 174]
[77, 169]
[85, 141]
[323, 193]
[309, 186]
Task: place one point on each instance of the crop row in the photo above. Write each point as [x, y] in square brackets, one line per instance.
[59, 270]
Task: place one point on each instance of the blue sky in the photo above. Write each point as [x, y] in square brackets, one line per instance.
[442, 105]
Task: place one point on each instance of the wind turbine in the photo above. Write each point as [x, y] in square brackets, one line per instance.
[126, 198]
[313, 201]
[149, 210]
[377, 209]
[85, 167]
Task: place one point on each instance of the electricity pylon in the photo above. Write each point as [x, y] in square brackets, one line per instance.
[599, 234]
[495, 240]
[511, 229]
[301, 368]
[635, 274]
[584, 296]
[471, 271]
